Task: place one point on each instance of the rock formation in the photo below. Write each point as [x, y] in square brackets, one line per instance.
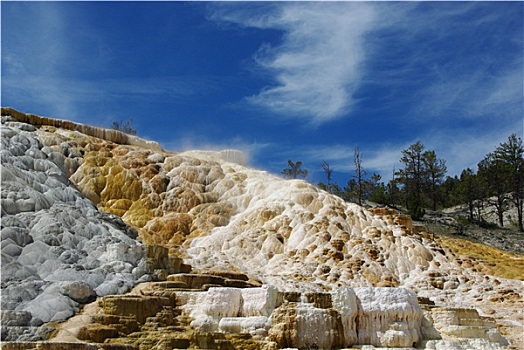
[58, 250]
[222, 255]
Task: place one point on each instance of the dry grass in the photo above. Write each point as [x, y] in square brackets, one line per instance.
[486, 259]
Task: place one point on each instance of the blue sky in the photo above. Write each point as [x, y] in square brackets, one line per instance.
[305, 81]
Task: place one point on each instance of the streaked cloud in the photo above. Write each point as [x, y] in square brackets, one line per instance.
[191, 140]
[328, 51]
[80, 98]
[380, 75]
[317, 66]
[62, 63]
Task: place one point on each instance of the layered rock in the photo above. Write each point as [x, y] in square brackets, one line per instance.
[163, 315]
[203, 212]
[58, 249]
[101, 133]
[200, 312]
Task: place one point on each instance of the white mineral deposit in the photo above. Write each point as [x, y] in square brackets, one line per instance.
[89, 213]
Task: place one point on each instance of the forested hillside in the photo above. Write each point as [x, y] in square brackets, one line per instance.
[496, 186]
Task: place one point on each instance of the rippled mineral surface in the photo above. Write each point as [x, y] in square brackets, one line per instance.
[107, 239]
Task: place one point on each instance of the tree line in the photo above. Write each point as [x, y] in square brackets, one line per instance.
[421, 183]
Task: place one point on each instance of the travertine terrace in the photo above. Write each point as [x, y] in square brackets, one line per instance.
[215, 254]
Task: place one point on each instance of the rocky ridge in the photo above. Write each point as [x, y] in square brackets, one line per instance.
[199, 214]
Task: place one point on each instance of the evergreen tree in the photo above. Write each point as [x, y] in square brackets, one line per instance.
[350, 191]
[435, 169]
[511, 156]
[470, 190]
[449, 192]
[377, 191]
[294, 171]
[411, 177]
[422, 173]
[393, 193]
[495, 173]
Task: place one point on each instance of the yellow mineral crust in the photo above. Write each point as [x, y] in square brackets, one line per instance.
[219, 215]
[486, 259]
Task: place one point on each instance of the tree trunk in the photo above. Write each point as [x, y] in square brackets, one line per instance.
[518, 204]
[471, 206]
[500, 209]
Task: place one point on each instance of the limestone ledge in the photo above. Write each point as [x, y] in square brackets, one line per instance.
[195, 213]
[102, 133]
[162, 317]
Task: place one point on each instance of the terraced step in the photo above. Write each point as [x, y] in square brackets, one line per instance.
[63, 346]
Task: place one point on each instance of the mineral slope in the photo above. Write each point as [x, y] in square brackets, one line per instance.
[65, 187]
[58, 249]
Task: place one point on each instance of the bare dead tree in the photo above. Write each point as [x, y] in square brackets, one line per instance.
[124, 126]
[359, 174]
[328, 171]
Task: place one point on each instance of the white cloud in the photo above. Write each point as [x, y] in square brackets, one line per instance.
[45, 68]
[190, 140]
[381, 159]
[466, 148]
[504, 95]
[472, 96]
[318, 65]
[80, 98]
[460, 60]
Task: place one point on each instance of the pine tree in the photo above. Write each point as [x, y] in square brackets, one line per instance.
[422, 173]
[377, 190]
[294, 171]
[495, 173]
[435, 169]
[511, 155]
[412, 178]
[471, 190]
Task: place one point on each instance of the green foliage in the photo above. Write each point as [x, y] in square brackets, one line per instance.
[420, 183]
[448, 191]
[124, 126]
[435, 169]
[503, 171]
[378, 193]
[350, 191]
[415, 210]
[294, 171]
[471, 190]
[420, 178]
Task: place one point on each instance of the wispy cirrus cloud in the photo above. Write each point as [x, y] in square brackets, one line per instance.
[473, 96]
[317, 66]
[61, 63]
[328, 51]
[446, 62]
[29, 71]
[71, 98]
